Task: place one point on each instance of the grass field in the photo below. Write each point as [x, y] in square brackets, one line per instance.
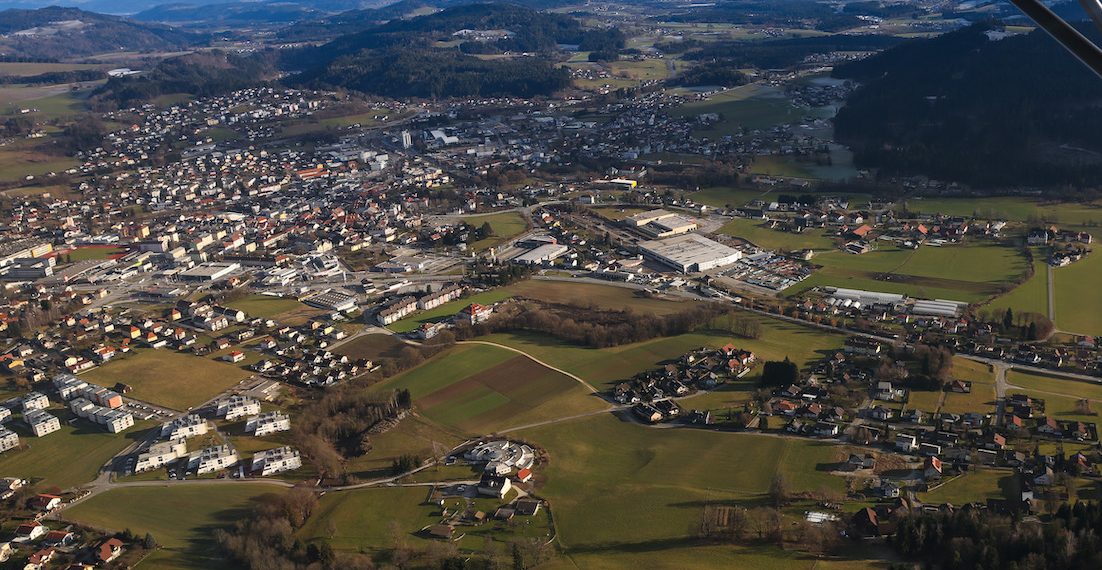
[182, 518]
[1029, 297]
[1013, 208]
[94, 252]
[755, 232]
[168, 378]
[705, 557]
[783, 166]
[970, 272]
[722, 196]
[371, 347]
[265, 306]
[982, 397]
[21, 159]
[1060, 395]
[358, 520]
[66, 458]
[506, 226]
[750, 106]
[616, 485]
[977, 486]
[415, 434]
[27, 69]
[479, 389]
[1078, 304]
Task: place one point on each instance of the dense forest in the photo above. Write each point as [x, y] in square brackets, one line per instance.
[774, 54]
[988, 112]
[781, 13]
[976, 539]
[201, 74]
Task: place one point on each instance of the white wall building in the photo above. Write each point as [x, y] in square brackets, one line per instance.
[275, 461]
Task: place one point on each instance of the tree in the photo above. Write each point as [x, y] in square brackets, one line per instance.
[486, 230]
[780, 373]
[149, 543]
[1008, 319]
[778, 491]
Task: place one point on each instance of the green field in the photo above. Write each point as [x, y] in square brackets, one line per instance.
[1029, 297]
[982, 397]
[371, 347]
[414, 435]
[506, 226]
[977, 486]
[172, 379]
[26, 158]
[723, 196]
[610, 365]
[69, 457]
[970, 272]
[1078, 303]
[783, 166]
[758, 234]
[21, 69]
[616, 485]
[1060, 395]
[1013, 208]
[479, 389]
[750, 106]
[265, 306]
[704, 557]
[94, 252]
[181, 518]
[369, 519]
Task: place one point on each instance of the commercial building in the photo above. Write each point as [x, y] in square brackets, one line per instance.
[274, 461]
[690, 253]
[332, 300]
[160, 454]
[542, 254]
[210, 272]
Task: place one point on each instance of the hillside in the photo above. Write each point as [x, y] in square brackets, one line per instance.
[58, 33]
[202, 74]
[229, 13]
[988, 112]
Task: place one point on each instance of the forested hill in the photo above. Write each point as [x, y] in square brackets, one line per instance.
[405, 58]
[55, 32]
[969, 107]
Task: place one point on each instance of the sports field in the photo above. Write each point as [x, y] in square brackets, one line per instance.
[479, 389]
[69, 457]
[616, 485]
[506, 226]
[180, 517]
[970, 272]
[1078, 302]
[168, 378]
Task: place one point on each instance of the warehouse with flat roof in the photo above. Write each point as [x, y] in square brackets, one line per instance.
[690, 253]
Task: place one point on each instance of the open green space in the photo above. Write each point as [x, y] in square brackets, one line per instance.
[167, 378]
[480, 388]
[982, 397]
[69, 457]
[750, 106]
[181, 518]
[975, 486]
[969, 272]
[691, 556]
[778, 339]
[370, 519]
[1078, 302]
[783, 166]
[616, 485]
[28, 69]
[49, 106]
[415, 435]
[1029, 297]
[505, 226]
[265, 306]
[27, 158]
[1014, 208]
[94, 252]
[371, 347]
[723, 196]
[1061, 395]
[757, 233]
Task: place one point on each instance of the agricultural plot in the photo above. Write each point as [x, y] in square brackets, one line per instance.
[69, 457]
[506, 226]
[703, 557]
[749, 106]
[415, 435]
[1078, 304]
[356, 520]
[616, 485]
[1021, 209]
[479, 389]
[1061, 396]
[982, 397]
[723, 196]
[1029, 297]
[265, 306]
[970, 272]
[182, 518]
[371, 347]
[21, 159]
[172, 379]
[975, 486]
[781, 166]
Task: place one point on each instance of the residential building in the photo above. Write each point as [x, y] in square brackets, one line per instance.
[184, 427]
[264, 424]
[238, 407]
[212, 459]
[8, 439]
[41, 422]
[275, 461]
[160, 454]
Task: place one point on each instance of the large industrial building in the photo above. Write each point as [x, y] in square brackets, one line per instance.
[661, 223]
[690, 253]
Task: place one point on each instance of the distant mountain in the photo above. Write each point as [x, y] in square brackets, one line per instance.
[232, 13]
[71, 32]
[200, 74]
[978, 107]
[130, 7]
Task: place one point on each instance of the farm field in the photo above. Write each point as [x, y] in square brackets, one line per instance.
[610, 365]
[976, 486]
[415, 434]
[982, 397]
[506, 226]
[971, 272]
[1060, 395]
[604, 296]
[50, 102]
[1078, 304]
[27, 69]
[616, 485]
[721, 196]
[357, 520]
[1029, 297]
[750, 106]
[755, 232]
[175, 380]
[705, 557]
[265, 306]
[480, 388]
[181, 518]
[21, 159]
[786, 167]
[69, 457]
[371, 347]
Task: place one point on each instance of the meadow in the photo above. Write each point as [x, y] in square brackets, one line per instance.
[1060, 395]
[982, 397]
[180, 517]
[1013, 208]
[69, 457]
[1029, 297]
[415, 435]
[976, 486]
[751, 107]
[723, 196]
[480, 388]
[505, 226]
[1078, 303]
[755, 232]
[168, 378]
[266, 306]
